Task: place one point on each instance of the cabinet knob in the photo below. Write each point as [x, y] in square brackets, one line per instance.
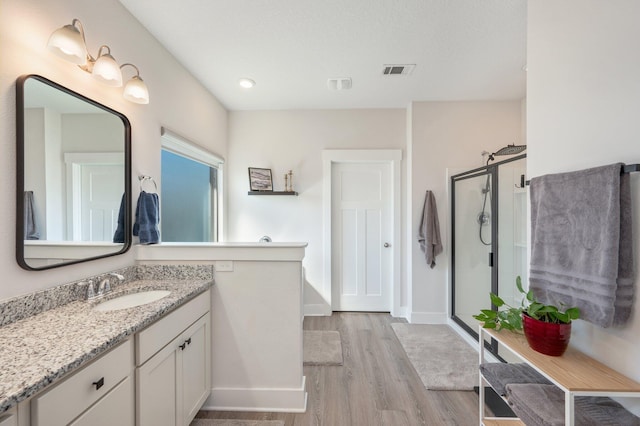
[99, 383]
[182, 346]
[387, 245]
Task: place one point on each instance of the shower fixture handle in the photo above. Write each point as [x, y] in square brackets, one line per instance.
[387, 245]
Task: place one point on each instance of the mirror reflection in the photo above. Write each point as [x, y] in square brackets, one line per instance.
[73, 175]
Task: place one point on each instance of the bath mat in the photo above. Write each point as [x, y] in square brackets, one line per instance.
[322, 347]
[235, 422]
[442, 359]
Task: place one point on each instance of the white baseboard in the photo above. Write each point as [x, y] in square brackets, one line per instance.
[401, 312]
[287, 400]
[428, 318]
[317, 310]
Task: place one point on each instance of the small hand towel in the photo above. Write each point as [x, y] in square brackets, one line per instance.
[147, 218]
[581, 251]
[429, 231]
[31, 231]
[118, 236]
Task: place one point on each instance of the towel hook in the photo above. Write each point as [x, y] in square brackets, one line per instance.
[143, 178]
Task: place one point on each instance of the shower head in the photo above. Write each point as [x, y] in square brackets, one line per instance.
[507, 150]
[510, 150]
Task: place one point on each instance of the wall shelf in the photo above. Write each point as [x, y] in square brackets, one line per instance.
[273, 193]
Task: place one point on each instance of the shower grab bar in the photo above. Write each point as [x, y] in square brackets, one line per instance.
[627, 168]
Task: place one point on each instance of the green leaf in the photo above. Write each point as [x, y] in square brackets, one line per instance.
[489, 313]
[519, 284]
[496, 300]
[530, 297]
[489, 325]
[573, 313]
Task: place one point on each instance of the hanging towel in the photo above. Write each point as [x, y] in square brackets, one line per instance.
[429, 231]
[581, 248]
[147, 218]
[31, 231]
[118, 236]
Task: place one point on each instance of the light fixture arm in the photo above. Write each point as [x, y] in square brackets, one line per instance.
[131, 65]
[88, 67]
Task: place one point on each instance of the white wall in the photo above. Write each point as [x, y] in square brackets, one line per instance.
[294, 140]
[448, 136]
[178, 102]
[582, 111]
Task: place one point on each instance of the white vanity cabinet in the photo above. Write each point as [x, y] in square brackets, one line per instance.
[173, 358]
[9, 418]
[99, 394]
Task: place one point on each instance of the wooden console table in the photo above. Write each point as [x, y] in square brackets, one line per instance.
[574, 373]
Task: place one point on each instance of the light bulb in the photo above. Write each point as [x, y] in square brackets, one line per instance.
[106, 70]
[136, 91]
[67, 43]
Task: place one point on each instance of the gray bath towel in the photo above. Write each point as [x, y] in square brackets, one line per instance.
[543, 405]
[31, 231]
[500, 374]
[429, 231]
[581, 248]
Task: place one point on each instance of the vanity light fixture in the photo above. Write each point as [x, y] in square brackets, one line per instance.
[135, 90]
[68, 42]
[246, 83]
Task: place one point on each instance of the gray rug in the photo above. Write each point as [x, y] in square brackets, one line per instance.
[233, 422]
[322, 347]
[442, 359]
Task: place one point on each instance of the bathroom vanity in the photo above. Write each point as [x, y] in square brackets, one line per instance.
[144, 365]
[256, 321]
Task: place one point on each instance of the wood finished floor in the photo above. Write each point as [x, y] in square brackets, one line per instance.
[376, 385]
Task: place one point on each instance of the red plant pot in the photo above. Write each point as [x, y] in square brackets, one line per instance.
[545, 337]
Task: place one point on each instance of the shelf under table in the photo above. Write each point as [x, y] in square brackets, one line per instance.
[573, 371]
[502, 422]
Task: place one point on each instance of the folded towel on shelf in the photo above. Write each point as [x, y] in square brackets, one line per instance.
[147, 218]
[31, 231]
[429, 231]
[543, 405]
[501, 374]
[581, 248]
[118, 236]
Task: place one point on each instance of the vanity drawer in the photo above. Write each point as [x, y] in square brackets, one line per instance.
[155, 337]
[65, 401]
[8, 420]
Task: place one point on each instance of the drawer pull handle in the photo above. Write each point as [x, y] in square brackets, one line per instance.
[99, 383]
[188, 341]
[182, 346]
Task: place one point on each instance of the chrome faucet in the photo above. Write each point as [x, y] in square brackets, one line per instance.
[91, 293]
[104, 287]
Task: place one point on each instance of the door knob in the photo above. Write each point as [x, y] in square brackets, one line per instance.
[387, 244]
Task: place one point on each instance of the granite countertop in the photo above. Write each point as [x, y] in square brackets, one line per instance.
[40, 349]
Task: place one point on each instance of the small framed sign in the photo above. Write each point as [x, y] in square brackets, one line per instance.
[260, 179]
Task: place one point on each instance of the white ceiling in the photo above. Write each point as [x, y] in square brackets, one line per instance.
[463, 49]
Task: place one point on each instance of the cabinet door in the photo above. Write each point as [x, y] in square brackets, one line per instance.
[115, 408]
[196, 362]
[156, 389]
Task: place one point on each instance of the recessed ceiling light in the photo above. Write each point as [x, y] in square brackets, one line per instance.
[247, 83]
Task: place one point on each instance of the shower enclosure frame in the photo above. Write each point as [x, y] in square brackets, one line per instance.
[490, 170]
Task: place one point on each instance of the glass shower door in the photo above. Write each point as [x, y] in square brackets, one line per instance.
[489, 219]
[472, 246]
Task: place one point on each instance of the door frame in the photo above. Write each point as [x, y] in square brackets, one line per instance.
[393, 157]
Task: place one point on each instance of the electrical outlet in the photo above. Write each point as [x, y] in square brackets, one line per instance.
[224, 265]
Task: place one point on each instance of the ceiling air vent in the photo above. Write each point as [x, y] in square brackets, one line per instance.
[398, 69]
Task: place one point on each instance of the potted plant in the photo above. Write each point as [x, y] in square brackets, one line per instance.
[546, 327]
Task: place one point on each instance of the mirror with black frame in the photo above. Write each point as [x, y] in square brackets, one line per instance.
[73, 177]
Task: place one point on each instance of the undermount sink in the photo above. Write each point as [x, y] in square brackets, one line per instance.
[131, 300]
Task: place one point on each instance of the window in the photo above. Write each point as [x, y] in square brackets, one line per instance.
[191, 191]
